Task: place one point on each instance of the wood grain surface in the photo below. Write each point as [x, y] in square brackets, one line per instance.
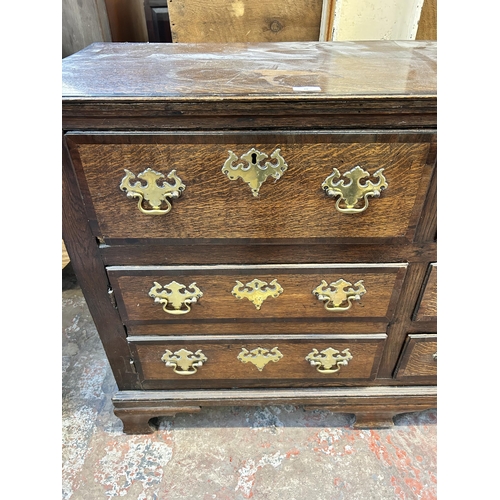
[417, 358]
[324, 105]
[243, 71]
[259, 326]
[224, 369]
[295, 206]
[427, 307]
[132, 285]
[196, 21]
[250, 252]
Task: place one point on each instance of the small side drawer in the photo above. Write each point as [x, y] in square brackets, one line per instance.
[426, 309]
[419, 357]
[256, 361]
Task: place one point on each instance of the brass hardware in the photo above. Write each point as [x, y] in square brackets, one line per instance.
[184, 362]
[325, 360]
[254, 174]
[176, 295]
[335, 298]
[257, 291]
[260, 356]
[152, 192]
[354, 191]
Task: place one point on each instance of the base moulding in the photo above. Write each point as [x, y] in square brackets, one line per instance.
[374, 407]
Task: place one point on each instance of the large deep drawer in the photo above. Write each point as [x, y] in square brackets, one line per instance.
[256, 361]
[244, 294]
[253, 186]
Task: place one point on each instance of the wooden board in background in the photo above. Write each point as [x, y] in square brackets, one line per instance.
[194, 21]
[427, 26]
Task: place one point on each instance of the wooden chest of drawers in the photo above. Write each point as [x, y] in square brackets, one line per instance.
[256, 223]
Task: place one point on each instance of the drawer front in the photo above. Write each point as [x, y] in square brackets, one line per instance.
[217, 205]
[194, 294]
[427, 307]
[419, 357]
[253, 361]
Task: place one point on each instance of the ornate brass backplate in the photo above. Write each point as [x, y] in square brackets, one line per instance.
[153, 193]
[254, 173]
[260, 356]
[183, 361]
[354, 191]
[329, 360]
[256, 291]
[339, 299]
[175, 297]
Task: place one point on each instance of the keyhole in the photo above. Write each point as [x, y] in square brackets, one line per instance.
[254, 158]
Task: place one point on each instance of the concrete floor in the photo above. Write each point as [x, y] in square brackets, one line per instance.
[234, 453]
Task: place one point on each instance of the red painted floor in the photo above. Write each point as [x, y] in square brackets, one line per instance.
[268, 453]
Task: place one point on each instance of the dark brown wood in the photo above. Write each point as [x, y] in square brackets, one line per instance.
[374, 419]
[368, 403]
[143, 254]
[308, 71]
[91, 275]
[141, 420]
[427, 305]
[419, 357]
[132, 286]
[325, 105]
[224, 369]
[397, 330]
[427, 226]
[295, 206]
[270, 326]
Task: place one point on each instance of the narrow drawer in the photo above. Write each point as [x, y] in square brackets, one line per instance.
[236, 201]
[419, 357]
[256, 361]
[426, 309]
[195, 294]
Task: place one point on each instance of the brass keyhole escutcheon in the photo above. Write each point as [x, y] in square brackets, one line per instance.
[260, 356]
[253, 170]
[256, 291]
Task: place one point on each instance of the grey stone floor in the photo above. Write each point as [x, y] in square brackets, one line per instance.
[267, 453]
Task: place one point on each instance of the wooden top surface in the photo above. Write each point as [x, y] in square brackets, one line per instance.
[304, 70]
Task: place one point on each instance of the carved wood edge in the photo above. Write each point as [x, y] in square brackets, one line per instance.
[138, 420]
[369, 406]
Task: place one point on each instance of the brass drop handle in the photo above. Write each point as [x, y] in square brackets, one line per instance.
[336, 296]
[256, 291]
[184, 362]
[254, 173]
[153, 193]
[329, 360]
[260, 356]
[351, 194]
[175, 297]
